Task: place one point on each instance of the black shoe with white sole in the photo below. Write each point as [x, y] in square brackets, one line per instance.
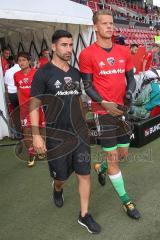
[91, 225]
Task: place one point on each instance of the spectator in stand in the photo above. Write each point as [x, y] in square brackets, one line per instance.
[157, 41]
[118, 38]
[45, 57]
[146, 8]
[157, 37]
[134, 48]
[84, 2]
[4, 59]
[101, 4]
[148, 59]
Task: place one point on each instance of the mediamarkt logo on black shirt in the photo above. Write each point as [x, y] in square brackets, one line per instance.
[114, 71]
[71, 92]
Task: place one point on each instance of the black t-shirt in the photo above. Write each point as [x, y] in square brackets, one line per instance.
[61, 90]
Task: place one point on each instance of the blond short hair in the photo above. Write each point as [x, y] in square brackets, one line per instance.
[99, 13]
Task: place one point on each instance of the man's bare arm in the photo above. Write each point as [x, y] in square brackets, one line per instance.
[38, 141]
[34, 115]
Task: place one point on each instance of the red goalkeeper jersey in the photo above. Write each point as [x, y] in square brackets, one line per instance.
[108, 70]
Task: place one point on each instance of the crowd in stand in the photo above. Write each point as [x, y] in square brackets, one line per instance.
[144, 13]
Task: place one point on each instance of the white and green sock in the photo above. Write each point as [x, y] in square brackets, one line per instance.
[118, 184]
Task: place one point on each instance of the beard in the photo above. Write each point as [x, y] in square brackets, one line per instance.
[64, 57]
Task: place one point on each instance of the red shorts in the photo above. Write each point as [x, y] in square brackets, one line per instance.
[25, 118]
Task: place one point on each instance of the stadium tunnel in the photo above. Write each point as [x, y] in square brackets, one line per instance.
[29, 27]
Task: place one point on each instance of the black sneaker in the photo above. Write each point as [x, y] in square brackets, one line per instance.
[131, 210]
[88, 222]
[58, 198]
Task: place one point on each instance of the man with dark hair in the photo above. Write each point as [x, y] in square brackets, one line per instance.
[157, 37]
[148, 59]
[10, 84]
[44, 58]
[11, 90]
[23, 80]
[107, 73]
[4, 59]
[57, 85]
[134, 48]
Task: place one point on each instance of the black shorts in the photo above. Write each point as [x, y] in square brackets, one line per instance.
[113, 132]
[77, 161]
